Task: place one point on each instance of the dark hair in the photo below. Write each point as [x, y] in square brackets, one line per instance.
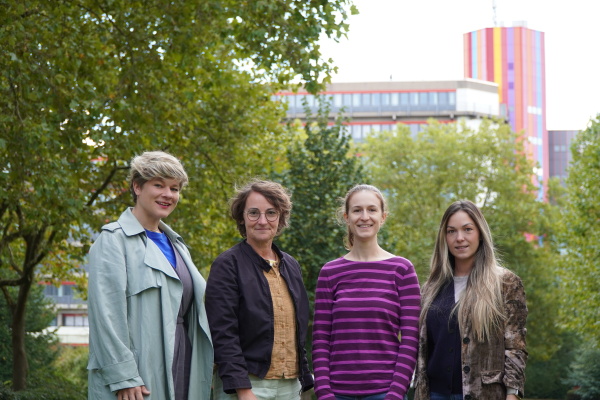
[345, 207]
[273, 192]
[155, 164]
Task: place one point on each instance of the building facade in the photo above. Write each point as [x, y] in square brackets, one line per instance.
[377, 106]
[559, 151]
[513, 58]
[71, 322]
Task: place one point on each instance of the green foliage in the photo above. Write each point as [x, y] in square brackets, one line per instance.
[584, 373]
[423, 174]
[580, 276]
[86, 85]
[42, 347]
[320, 170]
[545, 378]
[71, 365]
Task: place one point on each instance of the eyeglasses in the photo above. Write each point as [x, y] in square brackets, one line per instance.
[254, 214]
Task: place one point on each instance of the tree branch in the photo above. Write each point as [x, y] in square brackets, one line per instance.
[104, 185]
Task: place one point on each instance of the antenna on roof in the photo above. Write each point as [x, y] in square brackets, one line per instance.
[494, 12]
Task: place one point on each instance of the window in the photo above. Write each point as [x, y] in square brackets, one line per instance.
[337, 100]
[75, 320]
[376, 99]
[357, 132]
[433, 98]
[385, 99]
[347, 99]
[423, 98]
[443, 97]
[395, 97]
[366, 99]
[414, 99]
[356, 100]
[310, 100]
[404, 99]
[65, 290]
[452, 98]
[51, 290]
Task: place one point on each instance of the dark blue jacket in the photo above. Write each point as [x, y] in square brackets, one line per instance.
[240, 315]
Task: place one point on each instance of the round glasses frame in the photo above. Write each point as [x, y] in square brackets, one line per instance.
[254, 215]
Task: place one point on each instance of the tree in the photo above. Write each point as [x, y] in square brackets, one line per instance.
[584, 373]
[580, 283]
[41, 345]
[87, 84]
[423, 174]
[320, 170]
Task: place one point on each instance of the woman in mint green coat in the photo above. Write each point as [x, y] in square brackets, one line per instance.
[149, 336]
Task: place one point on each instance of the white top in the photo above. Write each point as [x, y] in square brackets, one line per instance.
[460, 284]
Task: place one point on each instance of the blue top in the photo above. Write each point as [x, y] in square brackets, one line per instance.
[164, 244]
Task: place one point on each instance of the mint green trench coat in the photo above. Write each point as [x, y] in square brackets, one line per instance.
[133, 300]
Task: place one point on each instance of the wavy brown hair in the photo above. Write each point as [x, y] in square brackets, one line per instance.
[274, 192]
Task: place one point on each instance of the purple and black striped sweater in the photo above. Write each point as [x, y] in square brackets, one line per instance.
[361, 310]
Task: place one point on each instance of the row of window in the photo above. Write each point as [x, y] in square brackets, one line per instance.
[63, 290]
[360, 132]
[72, 320]
[372, 100]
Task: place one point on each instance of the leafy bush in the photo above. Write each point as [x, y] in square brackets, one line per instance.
[585, 373]
[545, 378]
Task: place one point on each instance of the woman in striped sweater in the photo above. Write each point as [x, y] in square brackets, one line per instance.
[366, 311]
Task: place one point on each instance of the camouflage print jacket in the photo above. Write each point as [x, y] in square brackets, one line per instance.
[490, 367]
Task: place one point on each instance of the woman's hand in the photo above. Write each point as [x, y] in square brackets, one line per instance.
[134, 393]
[512, 397]
[245, 394]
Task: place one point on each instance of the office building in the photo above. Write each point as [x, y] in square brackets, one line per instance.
[513, 58]
[377, 106]
[559, 151]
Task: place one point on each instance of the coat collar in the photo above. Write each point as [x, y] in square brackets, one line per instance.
[131, 226]
[258, 260]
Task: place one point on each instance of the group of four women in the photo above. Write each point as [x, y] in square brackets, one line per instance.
[155, 322]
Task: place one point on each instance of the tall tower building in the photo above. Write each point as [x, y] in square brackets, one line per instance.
[513, 57]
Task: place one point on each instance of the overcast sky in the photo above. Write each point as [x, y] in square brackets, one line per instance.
[423, 40]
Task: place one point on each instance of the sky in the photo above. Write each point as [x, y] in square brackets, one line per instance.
[413, 40]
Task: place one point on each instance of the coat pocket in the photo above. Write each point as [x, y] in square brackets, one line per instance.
[489, 377]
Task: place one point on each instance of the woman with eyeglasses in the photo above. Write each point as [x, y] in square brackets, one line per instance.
[257, 305]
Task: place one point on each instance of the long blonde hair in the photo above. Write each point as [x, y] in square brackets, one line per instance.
[481, 303]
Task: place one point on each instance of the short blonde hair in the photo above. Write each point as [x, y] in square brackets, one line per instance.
[155, 164]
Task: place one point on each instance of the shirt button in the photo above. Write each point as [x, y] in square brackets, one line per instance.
[466, 369]
[466, 340]
[468, 397]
